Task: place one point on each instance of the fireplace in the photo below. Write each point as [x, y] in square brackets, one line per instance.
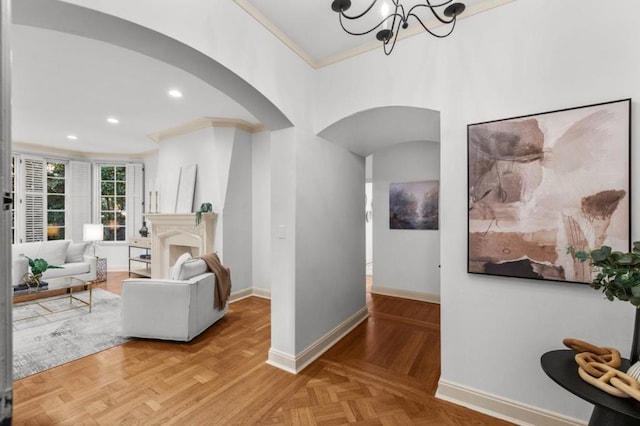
[175, 234]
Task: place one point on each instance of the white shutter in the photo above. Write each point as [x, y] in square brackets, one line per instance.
[135, 207]
[95, 199]
[79, 188]
[34, 199]
[18, 196]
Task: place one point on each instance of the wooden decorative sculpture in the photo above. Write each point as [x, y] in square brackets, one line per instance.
[598, 367]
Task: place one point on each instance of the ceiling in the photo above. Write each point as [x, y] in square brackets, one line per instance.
[64, 84]
[69, 85]
[312, 29]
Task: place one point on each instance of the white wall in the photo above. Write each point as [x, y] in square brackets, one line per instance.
[330, 237]
[568, 64]
[117, 255]
[283, 240]
[211, 150]
[514, 60]
[368, 226]
[237, 214]
[261, 201]
[150, 173]
[406, 261]
[317, 275]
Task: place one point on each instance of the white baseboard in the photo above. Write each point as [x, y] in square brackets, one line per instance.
[249, 292]
[502, 408]
[406, 294]
[240, 294]
[282, 361]
[295, 364]
[264, 293]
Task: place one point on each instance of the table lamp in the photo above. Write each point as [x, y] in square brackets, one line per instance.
[92, 232]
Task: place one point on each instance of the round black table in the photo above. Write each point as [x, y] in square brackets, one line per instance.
[608, 410]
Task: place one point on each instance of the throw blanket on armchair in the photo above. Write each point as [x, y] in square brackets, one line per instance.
[223, 279]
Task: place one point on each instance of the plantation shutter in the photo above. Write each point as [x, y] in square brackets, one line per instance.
[95, 200]
[34, 199]
[135, 207]
[79, 210]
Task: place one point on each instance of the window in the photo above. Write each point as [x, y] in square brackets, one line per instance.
[53, 198]
[42, 189]
[113, 202]
[56, 200]
[119, 188]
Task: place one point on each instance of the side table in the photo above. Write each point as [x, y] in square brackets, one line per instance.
[101, 269]
[561, 367]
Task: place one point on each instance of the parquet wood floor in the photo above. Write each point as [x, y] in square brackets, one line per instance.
[385, 372]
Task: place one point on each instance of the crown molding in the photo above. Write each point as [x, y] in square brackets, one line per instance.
[204, 123]
[270, 26]
[32, 148]
[350, 53]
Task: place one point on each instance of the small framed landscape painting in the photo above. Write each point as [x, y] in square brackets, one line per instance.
[541, 183]
[414, 205]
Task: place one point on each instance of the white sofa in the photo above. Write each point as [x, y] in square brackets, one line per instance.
[71, 256]
[171, 309]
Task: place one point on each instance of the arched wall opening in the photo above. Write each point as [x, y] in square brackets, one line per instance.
[80, 21]
[402, 146]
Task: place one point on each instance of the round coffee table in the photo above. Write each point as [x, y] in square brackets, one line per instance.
[561, 367]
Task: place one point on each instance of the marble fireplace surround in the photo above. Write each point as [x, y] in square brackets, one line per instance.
[175, 233]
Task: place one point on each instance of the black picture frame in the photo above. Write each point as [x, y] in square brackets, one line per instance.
[541, 183]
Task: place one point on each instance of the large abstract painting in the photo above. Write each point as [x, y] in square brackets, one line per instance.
[413, 205]
[539, 184]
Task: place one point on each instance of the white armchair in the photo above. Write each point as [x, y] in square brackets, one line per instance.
[170, 309]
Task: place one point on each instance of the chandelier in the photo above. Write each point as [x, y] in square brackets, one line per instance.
[396, 16]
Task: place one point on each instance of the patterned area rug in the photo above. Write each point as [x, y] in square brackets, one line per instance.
[62, 335]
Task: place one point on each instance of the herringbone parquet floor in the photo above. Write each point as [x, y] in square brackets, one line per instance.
[385, 372]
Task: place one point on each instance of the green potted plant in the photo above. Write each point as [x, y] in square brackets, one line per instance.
[617, 274]
[37, 266]
[204, 208]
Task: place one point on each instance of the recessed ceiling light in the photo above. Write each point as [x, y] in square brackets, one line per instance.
[175, 93]
[113, 120]
[72, 137]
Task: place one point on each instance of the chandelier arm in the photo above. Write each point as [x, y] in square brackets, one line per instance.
[396, 16]
[393, 22]
[431, 8]
[453, 25]
[401, 7]
[360, 15]
[444, 3]
[368, 31]
[384, 44]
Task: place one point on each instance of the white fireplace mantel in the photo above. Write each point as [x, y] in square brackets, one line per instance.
[175, 233]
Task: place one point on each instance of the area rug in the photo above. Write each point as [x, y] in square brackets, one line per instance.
[46, 333]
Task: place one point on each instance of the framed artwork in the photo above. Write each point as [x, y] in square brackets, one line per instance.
[186, 188]
[541, 183]
[414, 205]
